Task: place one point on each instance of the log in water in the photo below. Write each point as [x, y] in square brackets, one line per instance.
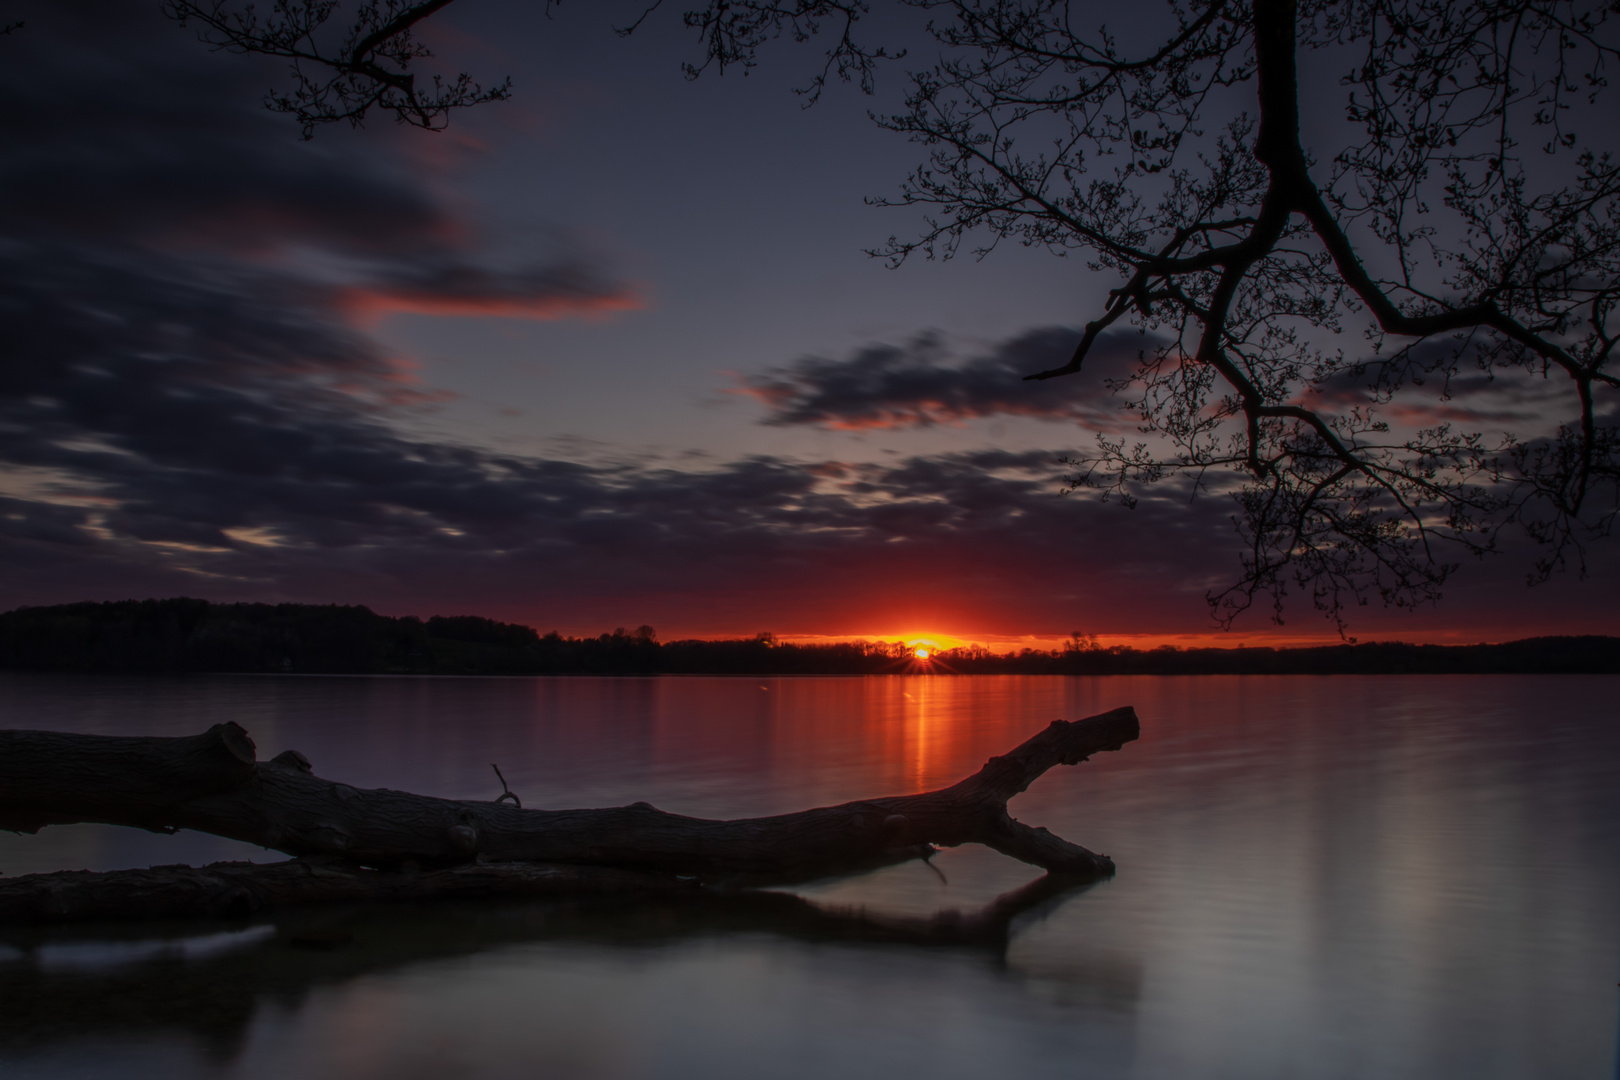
[350, 843]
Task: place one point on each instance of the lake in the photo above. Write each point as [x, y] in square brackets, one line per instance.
[1319, 877]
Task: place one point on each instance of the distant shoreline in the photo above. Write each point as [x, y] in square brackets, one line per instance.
[185, 635]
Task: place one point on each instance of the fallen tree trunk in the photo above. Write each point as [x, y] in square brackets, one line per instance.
[352, 842]
[236, 889]
[240, 889]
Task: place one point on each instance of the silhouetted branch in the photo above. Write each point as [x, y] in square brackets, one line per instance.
[341, 75]
[1247, 254]
[381, 843]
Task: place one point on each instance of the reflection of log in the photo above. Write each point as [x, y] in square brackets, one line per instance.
[417, 845]
[215, 993]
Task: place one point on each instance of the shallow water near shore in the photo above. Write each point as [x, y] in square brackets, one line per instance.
[1335, 877]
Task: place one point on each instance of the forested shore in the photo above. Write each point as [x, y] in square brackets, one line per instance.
[185, 635]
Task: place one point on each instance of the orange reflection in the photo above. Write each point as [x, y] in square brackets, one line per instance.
[936, 728]
[921, 728]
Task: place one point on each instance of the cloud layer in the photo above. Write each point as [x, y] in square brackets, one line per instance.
[190, 404]
[921, 383]
[166, 433]
[121, 132]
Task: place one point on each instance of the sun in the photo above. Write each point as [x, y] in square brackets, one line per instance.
[921, 654]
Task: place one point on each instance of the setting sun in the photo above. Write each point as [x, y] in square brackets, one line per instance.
[921, 654]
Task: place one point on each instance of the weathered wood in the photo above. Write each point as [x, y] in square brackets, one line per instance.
[234, 889]
[128, 780]
[211, 783]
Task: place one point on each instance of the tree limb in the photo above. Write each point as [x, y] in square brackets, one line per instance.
[397, 843]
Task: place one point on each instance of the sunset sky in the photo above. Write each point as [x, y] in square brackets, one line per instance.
[607, 354]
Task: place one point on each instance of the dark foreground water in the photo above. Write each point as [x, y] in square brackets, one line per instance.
[1318, 877]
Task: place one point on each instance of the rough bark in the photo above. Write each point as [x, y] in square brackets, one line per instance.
[235, 889]
[351, 844]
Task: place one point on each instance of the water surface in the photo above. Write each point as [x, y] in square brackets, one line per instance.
[1413, 876]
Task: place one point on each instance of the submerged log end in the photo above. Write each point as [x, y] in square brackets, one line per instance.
[1043, 848]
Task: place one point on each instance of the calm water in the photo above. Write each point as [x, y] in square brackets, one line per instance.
[1319, 877]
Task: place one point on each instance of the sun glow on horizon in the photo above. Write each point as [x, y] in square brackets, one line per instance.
[937, 644]
[931, 641]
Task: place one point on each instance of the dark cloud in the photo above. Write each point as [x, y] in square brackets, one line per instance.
[430, 286]
[121, 131]
[1448, 381]
[171, 425]
[167, 433]
[921, 383]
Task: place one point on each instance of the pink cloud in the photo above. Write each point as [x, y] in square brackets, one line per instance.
[369, 305]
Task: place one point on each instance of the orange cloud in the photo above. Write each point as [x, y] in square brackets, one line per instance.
[369, 306]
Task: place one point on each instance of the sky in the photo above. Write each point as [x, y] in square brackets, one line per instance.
[607, 354]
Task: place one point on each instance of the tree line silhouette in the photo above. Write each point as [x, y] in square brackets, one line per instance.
[187, 635]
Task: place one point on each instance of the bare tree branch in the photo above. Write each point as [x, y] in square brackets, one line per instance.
[341, 75]
[1311, 309]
